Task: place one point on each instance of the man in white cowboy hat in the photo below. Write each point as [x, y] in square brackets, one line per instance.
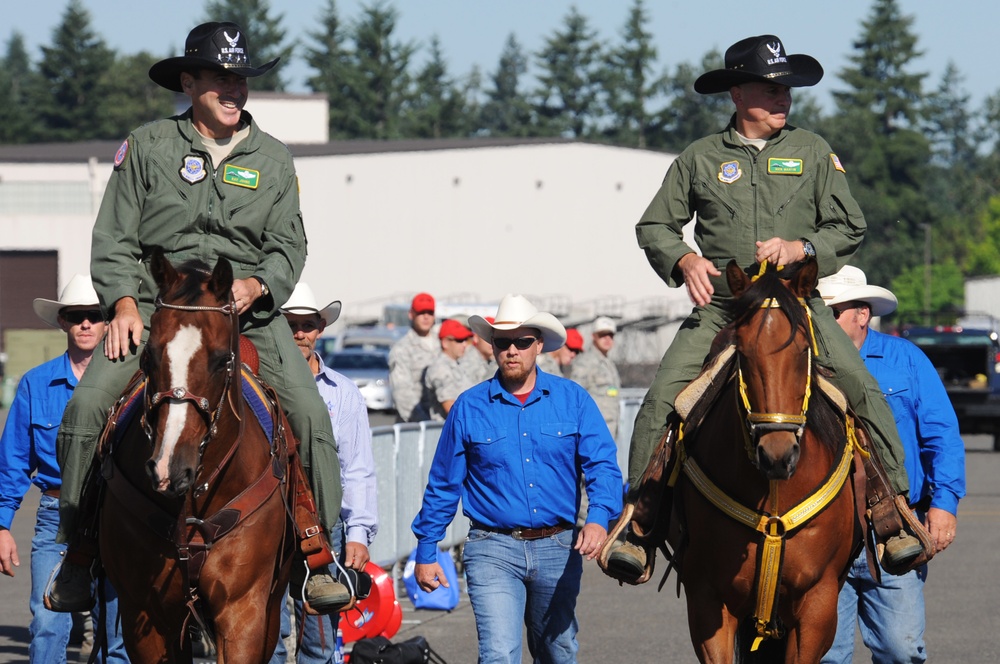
[512, 449]
[891, 610]
[206, 184]
[28, 456]
[358, 522]
[761, 190]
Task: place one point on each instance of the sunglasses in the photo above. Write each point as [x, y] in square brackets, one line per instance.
[78, 316]
[837, 312]
[521, 343]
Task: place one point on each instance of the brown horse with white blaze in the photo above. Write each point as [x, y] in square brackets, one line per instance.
[764, 493]
[194, 525]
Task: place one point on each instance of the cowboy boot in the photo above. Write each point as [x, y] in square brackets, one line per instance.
[319, 590]
[899, 537]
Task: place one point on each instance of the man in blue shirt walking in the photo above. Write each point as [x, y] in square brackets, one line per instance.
[512, 449]
[891, 612]
[28, 456]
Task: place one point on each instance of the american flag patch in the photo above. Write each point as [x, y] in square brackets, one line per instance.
[836, 163]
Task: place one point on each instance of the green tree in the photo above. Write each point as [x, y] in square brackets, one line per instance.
[688, 115]
[333, 61]
[132, 98]
[628, 81]
[947, 293]
[437, 106]
[983, 255]
[507, 111]
[16, 79]
[264, 34]
[70, 99]
[381, 64]
[569, 83]
[876, 134]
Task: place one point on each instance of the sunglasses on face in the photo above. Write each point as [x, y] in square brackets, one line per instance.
[837, 312]
[521, 343]
[77, 317]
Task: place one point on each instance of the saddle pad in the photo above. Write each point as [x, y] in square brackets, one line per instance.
[698, 388]
[832, 393]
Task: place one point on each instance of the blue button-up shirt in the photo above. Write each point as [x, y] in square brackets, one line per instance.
[28, 443]
[935, 452]
[517, 465]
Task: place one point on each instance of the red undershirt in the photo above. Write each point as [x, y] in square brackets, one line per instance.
[523, 398]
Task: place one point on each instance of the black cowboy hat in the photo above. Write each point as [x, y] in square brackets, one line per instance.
[221, 46]
[761, 59]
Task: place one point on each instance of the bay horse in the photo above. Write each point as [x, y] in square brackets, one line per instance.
[766, 504]
[194, 525]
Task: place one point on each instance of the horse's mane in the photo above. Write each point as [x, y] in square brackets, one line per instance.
[193, 273]
[769, 286]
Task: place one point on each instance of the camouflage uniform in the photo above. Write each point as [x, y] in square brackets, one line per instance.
[477, 367]
[444, 380]
[597, 374]
[408, 359]
[548, 364]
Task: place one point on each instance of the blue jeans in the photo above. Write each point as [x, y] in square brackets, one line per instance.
[890, 615]
[319, 633]
[50, 630]
[513, 581]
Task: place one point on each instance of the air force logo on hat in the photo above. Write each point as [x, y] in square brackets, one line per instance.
[193, 170]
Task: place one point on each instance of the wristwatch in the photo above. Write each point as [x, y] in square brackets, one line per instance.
[808, 249]
[265, 291]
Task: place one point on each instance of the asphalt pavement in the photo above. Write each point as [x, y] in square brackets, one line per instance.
[639, 624]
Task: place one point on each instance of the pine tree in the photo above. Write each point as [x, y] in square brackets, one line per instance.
[688, 115]
[16, 79]
[132, 98]
[264, 34]
[70, 99]
[333, 61]
[876, 134]
[567, 96]
[436, 106]
[507, 111]
[628, 82]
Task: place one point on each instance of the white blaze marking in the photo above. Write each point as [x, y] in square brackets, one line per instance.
[180, 351]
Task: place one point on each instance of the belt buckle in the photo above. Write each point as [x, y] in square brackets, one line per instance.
[516, 534]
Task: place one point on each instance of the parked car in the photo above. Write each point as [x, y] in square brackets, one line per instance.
[369, 369]
[377, 338]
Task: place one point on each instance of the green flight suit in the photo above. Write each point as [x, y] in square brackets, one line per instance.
[795, 188]
[163, 192]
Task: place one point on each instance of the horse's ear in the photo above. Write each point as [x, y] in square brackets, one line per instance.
[804, 280]
[737, 278]
[221, 283]
[163, 272]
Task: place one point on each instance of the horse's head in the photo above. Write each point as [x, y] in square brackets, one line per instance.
[774, 342]
[189, 361]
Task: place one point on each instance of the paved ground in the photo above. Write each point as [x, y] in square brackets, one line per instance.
[641, 625]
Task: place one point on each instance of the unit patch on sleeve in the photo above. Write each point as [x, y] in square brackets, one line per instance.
[121, 154]
[193, 169]
[784, 166]
[836, 163]
[729, 172]
[241, 177]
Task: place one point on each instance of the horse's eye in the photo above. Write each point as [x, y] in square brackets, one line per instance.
[218, 361]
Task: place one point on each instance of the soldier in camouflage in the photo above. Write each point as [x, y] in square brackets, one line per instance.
[408, 359]
[598, 374]
[445, 379]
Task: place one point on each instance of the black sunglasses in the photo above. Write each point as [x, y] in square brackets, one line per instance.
[521, 343]
[78, 316]
[837, 312]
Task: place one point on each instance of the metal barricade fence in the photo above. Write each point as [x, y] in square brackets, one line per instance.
[403, 455]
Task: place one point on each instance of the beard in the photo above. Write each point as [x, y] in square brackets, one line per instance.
[515, 373]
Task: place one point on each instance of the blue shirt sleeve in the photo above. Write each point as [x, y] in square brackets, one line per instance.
[15, 454]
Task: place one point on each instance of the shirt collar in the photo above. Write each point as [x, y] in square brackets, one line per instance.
[543, 386]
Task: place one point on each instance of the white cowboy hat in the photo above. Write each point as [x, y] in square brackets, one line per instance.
[851, 285]
[515, 311]
[302, 301]
[79, 292]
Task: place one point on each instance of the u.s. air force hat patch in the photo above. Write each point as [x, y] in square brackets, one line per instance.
[193, 169]
[729, 172]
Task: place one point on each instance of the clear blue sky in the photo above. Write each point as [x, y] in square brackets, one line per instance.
[472, 32]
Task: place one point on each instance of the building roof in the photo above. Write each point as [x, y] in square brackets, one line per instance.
[63, 153]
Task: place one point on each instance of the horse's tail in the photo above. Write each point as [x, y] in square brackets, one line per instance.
[770, 651]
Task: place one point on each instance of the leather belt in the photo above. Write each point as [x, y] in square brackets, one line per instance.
[54, 493]
[527, 533]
